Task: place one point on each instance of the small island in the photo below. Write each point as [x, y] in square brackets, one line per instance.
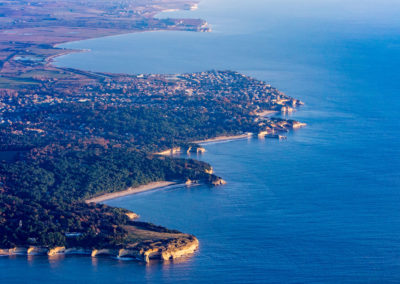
[70, 137]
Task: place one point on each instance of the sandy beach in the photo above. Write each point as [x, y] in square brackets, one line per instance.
[224, 138]
[177, 150]
[240, 136]
[130, 191]
[267, 113]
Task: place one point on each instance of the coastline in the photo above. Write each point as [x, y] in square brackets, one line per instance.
[130, 191]
[157, 243]
[223, 138]
[165, 249]
[52, 60]
[193, 244]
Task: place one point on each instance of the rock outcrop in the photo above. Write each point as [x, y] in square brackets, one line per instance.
[262, 134]
[13, 251]
[218, 182]
[55, 251]
[36, 250]
[163, 250]
[180, 248]
[297, 124]
[97, 252]
[189, 182]
[132, 215]
[209, 171]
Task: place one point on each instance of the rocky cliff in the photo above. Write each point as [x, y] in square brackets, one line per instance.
[163, 250]
[147, 242]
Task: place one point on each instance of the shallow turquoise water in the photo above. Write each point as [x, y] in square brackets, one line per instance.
[322, 206]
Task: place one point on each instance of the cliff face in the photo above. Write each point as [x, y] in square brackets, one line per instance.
[97, 252]
[180, 248]
[144, 242]
[163, 250]
[33, 250]
[56, 250]
[218, 182]
[36, 250]
[298, 124]
[178, 150]
[13, 251]
[132, 215]
[198, 150]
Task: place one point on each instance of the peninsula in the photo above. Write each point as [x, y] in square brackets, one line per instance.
[70, 135]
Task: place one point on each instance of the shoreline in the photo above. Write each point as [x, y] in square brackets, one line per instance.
[130, 191]
[52, 60]
[223, 138]
[166, 249]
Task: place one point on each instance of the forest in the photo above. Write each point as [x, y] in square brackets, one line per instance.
[42, 199]
[102, 136]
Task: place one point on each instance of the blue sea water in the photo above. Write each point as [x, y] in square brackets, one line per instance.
[320, 207]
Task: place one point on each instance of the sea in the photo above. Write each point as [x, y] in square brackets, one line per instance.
[322, 206]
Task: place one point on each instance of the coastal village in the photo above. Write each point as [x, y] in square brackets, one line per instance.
[206, 92]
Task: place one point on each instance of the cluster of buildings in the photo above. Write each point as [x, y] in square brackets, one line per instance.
[209, 91]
